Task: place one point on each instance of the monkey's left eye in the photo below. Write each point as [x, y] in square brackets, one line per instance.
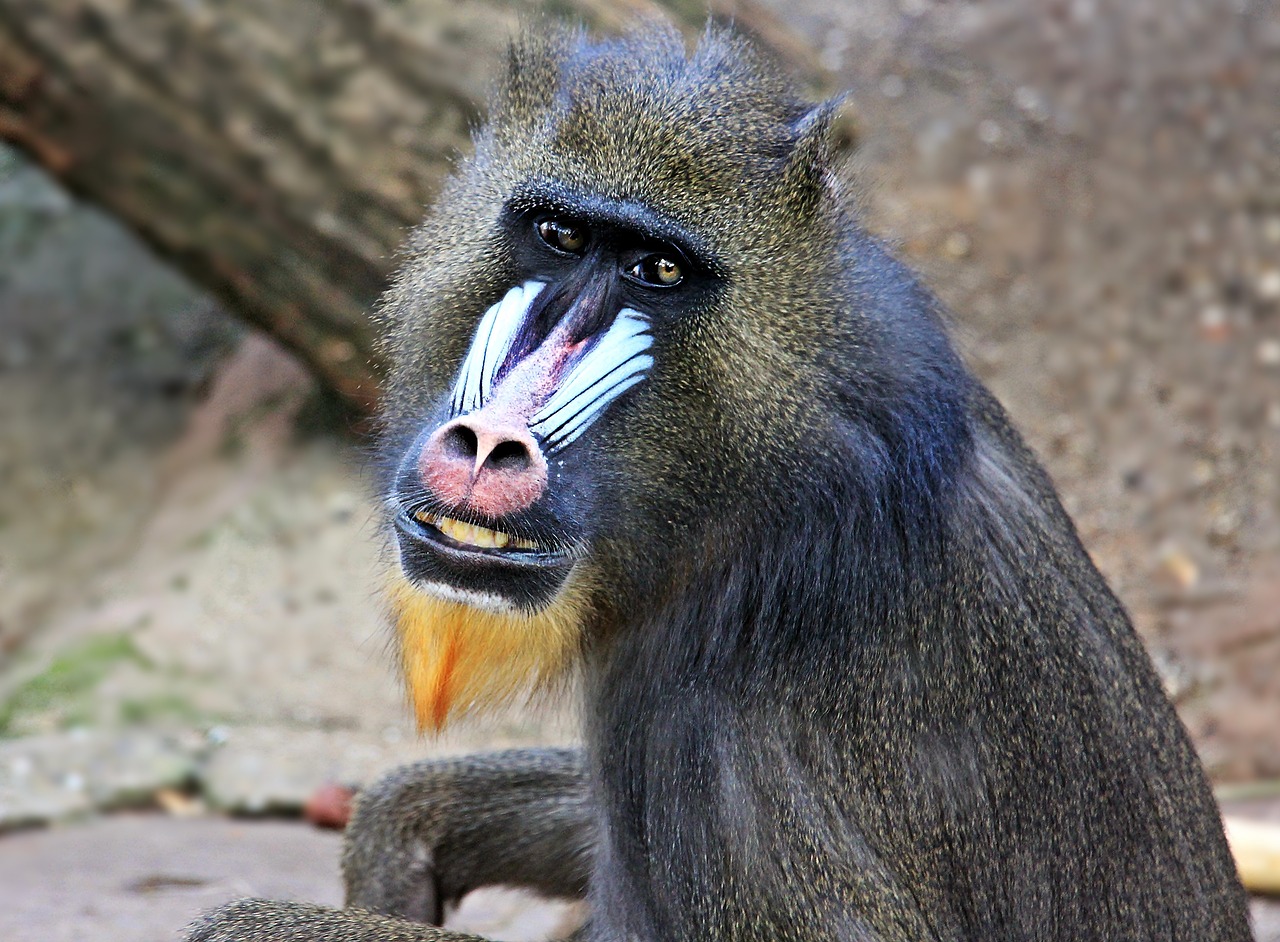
[661, 271]
[562, 236]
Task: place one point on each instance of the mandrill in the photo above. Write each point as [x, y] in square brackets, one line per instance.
[664, 418]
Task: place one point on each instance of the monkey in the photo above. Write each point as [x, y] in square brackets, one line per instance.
[668, 428]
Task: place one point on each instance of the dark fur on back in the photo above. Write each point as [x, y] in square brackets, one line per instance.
[856, 677]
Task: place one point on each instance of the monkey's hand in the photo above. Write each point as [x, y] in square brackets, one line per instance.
[429, 833]
[260, 920]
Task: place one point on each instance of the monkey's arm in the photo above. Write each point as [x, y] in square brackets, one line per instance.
[264, 920]
[429, 833]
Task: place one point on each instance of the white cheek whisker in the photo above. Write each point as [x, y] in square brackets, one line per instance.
[472, 366]
[614, 363]
[592, 371]
[547, 415]
[511, 316]
[579, 425]
[568, 411]
[626, 337]
[489, 346]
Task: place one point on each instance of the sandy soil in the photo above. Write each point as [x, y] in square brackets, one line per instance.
[1094, 189]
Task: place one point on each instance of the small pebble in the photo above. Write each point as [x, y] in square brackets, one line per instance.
[957, 245]
[1028, 99]
[892, 86]
[1269, 352]
[1180, 567]
[1269, 284]
[329, 806]
[1213, 323]
[1224, 527]
[178, 804]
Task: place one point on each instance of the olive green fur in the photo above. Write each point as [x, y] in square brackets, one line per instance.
[773, 226]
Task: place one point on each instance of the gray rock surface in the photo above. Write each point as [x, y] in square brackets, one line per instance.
[1266, 920]
[63, 775]
[142, 878]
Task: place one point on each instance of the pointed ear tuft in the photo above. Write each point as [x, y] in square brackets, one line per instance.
[525, 91]
[824, 137]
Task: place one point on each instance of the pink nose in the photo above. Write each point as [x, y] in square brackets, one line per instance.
[484, 462]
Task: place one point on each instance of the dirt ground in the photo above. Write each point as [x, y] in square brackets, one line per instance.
[188, 544]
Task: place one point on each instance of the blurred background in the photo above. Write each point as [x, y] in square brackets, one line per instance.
[199, 205]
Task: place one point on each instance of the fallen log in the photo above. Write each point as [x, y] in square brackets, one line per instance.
[278, 150]
[1256, 848]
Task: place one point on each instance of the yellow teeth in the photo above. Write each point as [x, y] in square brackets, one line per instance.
[480, 537]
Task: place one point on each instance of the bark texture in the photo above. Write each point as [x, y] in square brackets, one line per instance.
[278, 150]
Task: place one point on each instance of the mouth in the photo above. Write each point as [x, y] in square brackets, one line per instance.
[493, 567]
[468, 536]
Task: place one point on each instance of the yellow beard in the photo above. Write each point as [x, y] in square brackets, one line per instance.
[458, 659]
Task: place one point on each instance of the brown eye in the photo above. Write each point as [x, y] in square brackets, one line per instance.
[658, 270]
[562, 236]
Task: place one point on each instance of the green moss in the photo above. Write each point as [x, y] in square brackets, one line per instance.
[153, 710]
[73, 673]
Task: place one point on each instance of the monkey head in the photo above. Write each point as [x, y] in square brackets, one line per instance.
[610, 343]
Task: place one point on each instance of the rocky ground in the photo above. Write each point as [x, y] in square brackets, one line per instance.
[188, 544]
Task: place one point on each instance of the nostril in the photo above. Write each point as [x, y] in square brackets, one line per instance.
[509, 456]
[460, 441]
[479, 446]
[488, 463]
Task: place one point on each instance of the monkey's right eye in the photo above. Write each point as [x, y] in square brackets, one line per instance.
[562, 236]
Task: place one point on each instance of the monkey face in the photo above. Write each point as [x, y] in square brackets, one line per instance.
[615, 347]
[491, 499]
[502, 497]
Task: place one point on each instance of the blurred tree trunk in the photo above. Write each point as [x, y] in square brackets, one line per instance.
[277, 150]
